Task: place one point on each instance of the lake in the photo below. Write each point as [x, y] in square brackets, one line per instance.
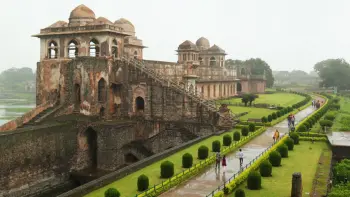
[13, 108]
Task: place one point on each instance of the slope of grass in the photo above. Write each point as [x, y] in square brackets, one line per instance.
[304, 158]
[253, 112]
[342, 121]
[128, 185]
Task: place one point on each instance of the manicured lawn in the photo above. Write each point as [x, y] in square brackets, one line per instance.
[254, 112]
[128, 185]
[281, 98]
[342, 121]
[304, 158]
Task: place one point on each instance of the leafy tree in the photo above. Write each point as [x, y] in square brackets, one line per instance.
[260, 67]
[245, 99]
[251, 98]
[334, 73]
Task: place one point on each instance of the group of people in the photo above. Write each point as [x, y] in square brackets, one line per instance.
[291, 120]
[222, 161]
[316, 104]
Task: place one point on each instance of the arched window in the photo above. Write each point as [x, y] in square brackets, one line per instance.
[52, 50]
[200, 61]
[208, 91]
[135, 55]
[94, 49]
[212, 61]
[102, 90]
[115, 48]
[72, 49]
[184, 57]
[214, 90]
[140, 104]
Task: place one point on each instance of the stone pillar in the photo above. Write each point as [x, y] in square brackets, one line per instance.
[297, 186]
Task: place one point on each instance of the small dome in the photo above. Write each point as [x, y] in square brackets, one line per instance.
[82, 12]
[59, 24]
[102, 20]
[203, 43]
[187, 45]
[216, 49]
[126, 25]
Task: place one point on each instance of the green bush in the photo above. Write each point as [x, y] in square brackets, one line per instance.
[111, 192]
[251, 127]
[187, 160]
[278, 113]
[334, 106]
[274, 115]
[203, 152]
[295, 137]
[302, 128]
[166, 169]
[265, 168]
[289, 109]
[239, 193]
[264, 119]
[283, 150]
[244, 131]
[275, 158]
[227, 140]
[325, 123]
[216, 146]
[330, 117]
[290, 143]
[269, 118]
[307, 125]
[236, 136]
[142, 183]
[254, 180]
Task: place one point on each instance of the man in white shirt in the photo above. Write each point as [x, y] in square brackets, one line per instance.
[240, 155]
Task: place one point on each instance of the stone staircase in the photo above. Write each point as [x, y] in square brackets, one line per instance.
[210, 105]
[40, 116]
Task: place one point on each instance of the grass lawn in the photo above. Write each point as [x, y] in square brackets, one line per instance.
[342, 121]
[127, 186]
[283, 99]
[254, 112]
[304, 158]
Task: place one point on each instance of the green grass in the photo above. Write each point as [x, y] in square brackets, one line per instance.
[254, 112]
[279, 98]
[304, 158]
[128, 185]
[342, 121]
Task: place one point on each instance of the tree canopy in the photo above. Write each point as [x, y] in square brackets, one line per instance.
[334, 73]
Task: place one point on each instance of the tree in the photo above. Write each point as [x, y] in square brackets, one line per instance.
[245, 99]
[260, 67]
[334, 73]
[251, 98]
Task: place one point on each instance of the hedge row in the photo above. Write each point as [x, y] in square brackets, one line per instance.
[313, 139]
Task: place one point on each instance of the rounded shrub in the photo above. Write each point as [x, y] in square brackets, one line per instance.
[265, 168]
[239, 193]
[254, 180]
[142, 183]
[309, 122]
[278, 113]
[166, 169]
[274, 115]
[251, 127]
[215, 145]
[325, 123]
[290, 143]
[330, 117]
[295, 137]
[290, 109]
[275, 158]
[264, 119]
[245, 131]
[187, 160]
[203, 152]
[307, 125]
[112, 192]
[236, 136]
[269, 118]
[227, 140]
[302, 128]
[283, 150]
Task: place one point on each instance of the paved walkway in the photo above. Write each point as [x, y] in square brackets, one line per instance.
[209, 180]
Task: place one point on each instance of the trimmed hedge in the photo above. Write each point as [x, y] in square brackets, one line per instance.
[239, 193]
[290, 143]
[216, 146]
[324, 139]
[266, 168]
[302, 128]
[283, 150]
[274, 115]
[142, 183]
[254, 180]
[227, 140]
[244, 131]
[275, 158]
[166, 169]
[251, 127]
[269, 118]
[325, 123]
[264, 119]
[236, 136]
[187, 160]
[112, 192]
[295, 137]
[203, 152]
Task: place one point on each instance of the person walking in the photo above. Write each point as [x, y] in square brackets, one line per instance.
[224, 162]
[218, 158]
[276, 136]
[240, 156]
[293, 120]
[289, 118]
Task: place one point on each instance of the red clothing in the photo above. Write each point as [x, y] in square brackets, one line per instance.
[224, 162]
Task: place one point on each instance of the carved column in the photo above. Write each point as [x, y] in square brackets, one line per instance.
[297, 187]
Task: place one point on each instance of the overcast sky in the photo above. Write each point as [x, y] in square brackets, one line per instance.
[287, 34]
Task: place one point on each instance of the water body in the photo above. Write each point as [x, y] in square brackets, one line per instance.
[13, 108]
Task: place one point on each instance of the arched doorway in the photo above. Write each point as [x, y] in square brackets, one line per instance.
[102, 90]
[139, 104]
[77, 99]
[91, 137]
[239, 87]
[130, 158]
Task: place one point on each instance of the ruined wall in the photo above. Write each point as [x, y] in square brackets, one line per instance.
[217, 89]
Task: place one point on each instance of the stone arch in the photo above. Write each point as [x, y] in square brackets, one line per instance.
[130, 158]
[94, 48]
[77, 97]
[139, 104]
[212, 61]
[73, 50]
[102, 90]
[239, 87]
[52, 50]
[115, 48]
[88, 144]
[135, 55]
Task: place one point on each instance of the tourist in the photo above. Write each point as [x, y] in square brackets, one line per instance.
[313, 103]
[292, 120]
[240, 156]
[276, 135]
[224, 162]
[289, 118]
[218, 158]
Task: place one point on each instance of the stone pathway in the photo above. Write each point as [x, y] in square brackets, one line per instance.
[210, 179]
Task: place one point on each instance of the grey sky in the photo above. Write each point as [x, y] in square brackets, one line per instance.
[288, 34]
